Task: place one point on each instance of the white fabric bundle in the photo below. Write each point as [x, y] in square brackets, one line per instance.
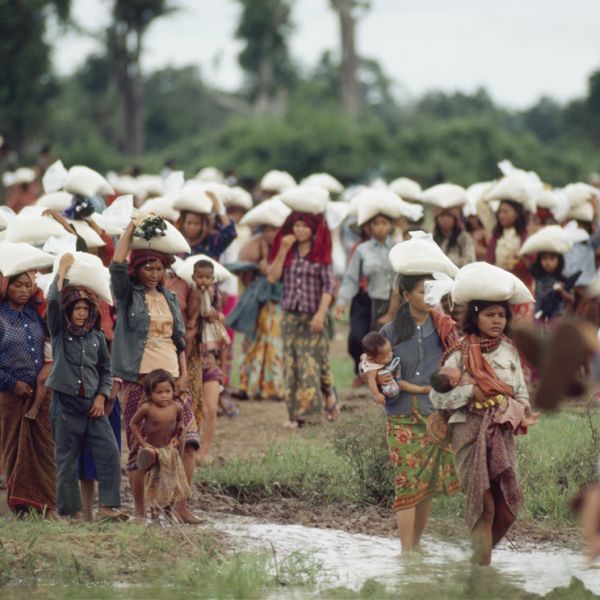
[420, 256]
[86, 182]
[193, 198]
[6, 215]
[522, 187]
[150, 185]
[482, 281]
[20, 176]
[33, 229]
[89, 236]
[552, 238]
[305, 198]
[475, 194]
[324, 180]
[55, 201]
[16, 258]
[239, 197]
[335, 213]
[272, 212]
[88, 271]
[210, 175]
[580, 193]
[171, 243]
[161, 206]
[445, 195]
[372, 202]
[406, 188]
[185, 269]
[277, 181]
[128, 185]
[115, 218]
[582, 212]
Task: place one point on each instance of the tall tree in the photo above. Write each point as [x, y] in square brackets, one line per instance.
[125, 36]
[349, 12]
[265, 27]
[26, 81]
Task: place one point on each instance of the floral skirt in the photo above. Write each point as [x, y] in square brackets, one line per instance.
[421, 469]
[261, 373]
[307, 378]
[132, 396]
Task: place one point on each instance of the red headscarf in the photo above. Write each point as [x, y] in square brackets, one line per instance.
[320, 251]
[137, 258]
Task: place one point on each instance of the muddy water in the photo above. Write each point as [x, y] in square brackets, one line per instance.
[350, 560]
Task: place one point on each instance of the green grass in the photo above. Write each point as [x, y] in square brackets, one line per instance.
[88, 560]
[351, 466]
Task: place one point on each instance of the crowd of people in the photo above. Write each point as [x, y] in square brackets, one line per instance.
[121, 298]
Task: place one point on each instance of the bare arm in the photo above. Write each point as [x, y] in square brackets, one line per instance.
[390, 315]
[378, 397]
[223, 218]
[124, 244]
[139, 416]
[275, 269]
[66, 262]
[413, 388]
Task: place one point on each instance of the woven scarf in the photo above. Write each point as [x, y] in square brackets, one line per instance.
[137, 258]
[446, 328]
[473, 348]
[71, 295]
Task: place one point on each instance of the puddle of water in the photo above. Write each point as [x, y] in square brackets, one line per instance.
[351, 559]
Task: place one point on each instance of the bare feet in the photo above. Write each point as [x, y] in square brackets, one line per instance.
[182, 512]
[332, 409]
[292, 425]
[204, 460]
[106, 513]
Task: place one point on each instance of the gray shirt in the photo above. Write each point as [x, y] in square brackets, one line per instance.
[371, 259]
[420, 358]
[582, 257]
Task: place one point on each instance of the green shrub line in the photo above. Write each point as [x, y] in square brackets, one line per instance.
[351, 467]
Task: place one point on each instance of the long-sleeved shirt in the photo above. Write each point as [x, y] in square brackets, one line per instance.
[215, 244]
[80, 363]
[133, 322]
[371, 260]
[582, 257]
[505, 362]
[304, 283]
[21, 346]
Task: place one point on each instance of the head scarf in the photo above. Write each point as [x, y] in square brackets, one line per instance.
[320, 251]
[137, 258]
[70, 295]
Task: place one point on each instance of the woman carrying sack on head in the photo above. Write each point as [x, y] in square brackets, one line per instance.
[149, 334]
[26, 445]
[487, 414]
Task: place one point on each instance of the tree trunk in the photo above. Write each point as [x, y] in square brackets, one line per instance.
[348, 82]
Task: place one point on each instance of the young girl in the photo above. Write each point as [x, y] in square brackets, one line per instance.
[81, 382]
[158, 426]
[552, 288]
[301, 253]
[206, 330]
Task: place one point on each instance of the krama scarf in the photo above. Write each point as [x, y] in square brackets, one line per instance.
[70, 295]
[320, 251]
[137, 258]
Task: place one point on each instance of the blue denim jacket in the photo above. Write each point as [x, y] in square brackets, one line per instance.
[133, 321]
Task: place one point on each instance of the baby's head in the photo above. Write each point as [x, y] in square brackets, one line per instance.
[377, 348]
[204, 273]
[445, 379]
[159, 387]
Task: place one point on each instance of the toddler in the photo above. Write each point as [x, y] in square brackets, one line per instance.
[157, 427]
[376, 363]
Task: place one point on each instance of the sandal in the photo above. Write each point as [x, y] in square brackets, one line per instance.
[332, 411]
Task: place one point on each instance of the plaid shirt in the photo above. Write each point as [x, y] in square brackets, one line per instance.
[304, 282]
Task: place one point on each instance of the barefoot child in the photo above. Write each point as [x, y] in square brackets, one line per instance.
[376, 363]
[80, 381]
[205, 329]
[161, 418]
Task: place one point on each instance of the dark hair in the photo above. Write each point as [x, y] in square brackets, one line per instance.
[372, 342]
[538, 271]
[441, 383]
[204, 264]
[438, 236]
[469, 227]
[71, 306]
[404, 324]
[521, 222]
[154, 378]
[586, 226]
[476, 306]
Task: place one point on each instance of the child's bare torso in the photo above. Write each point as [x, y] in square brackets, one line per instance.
[161, 424]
